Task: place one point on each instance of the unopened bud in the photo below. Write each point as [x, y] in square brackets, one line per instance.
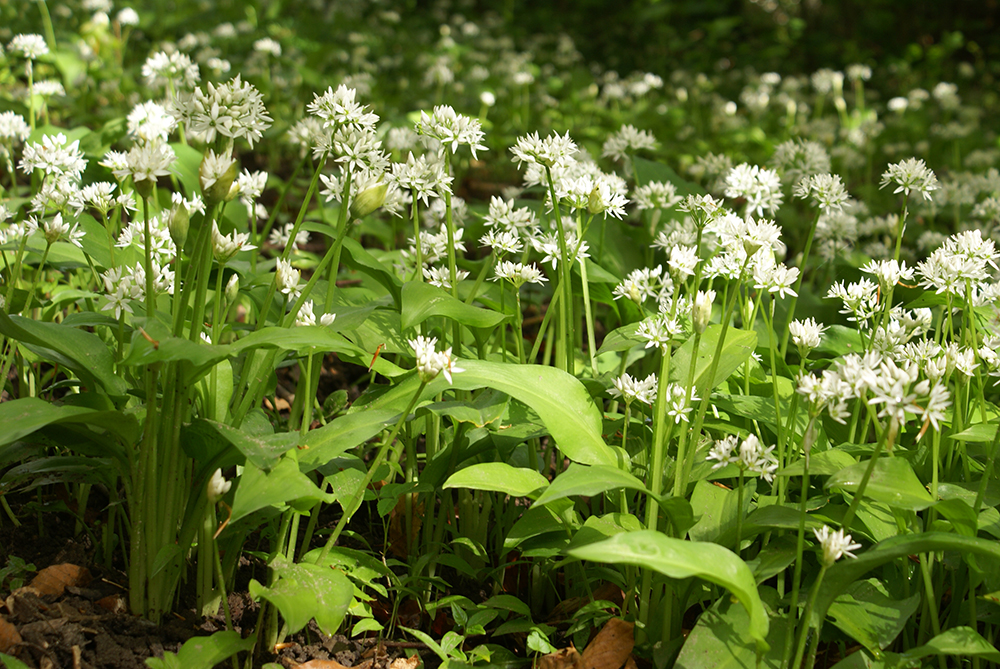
[217, 487]
[232, 289]
[368, 200]
[701, 312]
[217, 173]
[179, 224]
[595, 203]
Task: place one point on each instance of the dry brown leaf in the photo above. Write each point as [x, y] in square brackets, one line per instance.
[611, 647]
[630, 663]
[320, 664]
[567, 658]
[405, 662]
[54, 580]
[399, 542]
[9, 636]
[113, 603]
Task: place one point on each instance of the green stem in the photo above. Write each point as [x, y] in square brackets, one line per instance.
[566, 321]
[798, 284]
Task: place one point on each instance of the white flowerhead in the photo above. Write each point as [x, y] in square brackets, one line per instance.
[287, 278]
[835, 545]
[806, 335]
[630, 389]
[911, 174]
[451, 129]
[217, 486]
[28, 46]
[430, 363]
[518, 274]
[224, 247]
[549, 152]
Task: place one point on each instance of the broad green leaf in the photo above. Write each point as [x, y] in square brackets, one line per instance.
[621, 339]
[598, 528]
[956, 641]
[560, 400]
[776, 557]
[761, 409]
[588, 481]
[892, 482]
[358, 258]
[716, 509]
[649, 170]
[978, 434]
[12, 662]
[303, 591]
[839, 340]
[719, 641]
[677, 558]
[84, 353]
[345, 432]
[283, 484]
[738, 347]
[261, 450]
[822, 463]
[846, 571]
[867, 613]
[422, 301]
[203, 652]
[771, 517]
[499, 477]
[485, 408]
[23, 416]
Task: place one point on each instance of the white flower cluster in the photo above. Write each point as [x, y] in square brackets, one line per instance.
[628, 141]
[834, 545]
[233, 110]
[749, 455]
[630, 389]
[450, 129]
[430, 362]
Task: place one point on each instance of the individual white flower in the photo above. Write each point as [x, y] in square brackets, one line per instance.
[518, 274]
[628, 140]
[889, 272]
[656, 195]
[29, 46]
[287, 278]
[424, 177]
[54, 155]
[282, 235]
[162, 70]
[911, 174]
[305, 317]
[806, 334]
[150, 122]
[640, 285]
[234, 109]
[659, 331]
[835, 545]
[701, 310]
[128, 17]
[441, 276]
[683, 261]
[217, 487]
[143, 162]
[826, 190]
[430, 362]
[502, 241]
[800, 159]
[225, 247]
[759, 186]
[13, 130]
[448, 127]
[550, 152]
[630, 389]
[268, 46]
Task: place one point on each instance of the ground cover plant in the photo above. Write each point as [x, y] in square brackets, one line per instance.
[451, 341]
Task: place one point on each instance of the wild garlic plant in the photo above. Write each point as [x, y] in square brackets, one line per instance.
[603, 378]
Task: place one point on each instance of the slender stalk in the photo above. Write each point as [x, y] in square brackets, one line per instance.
[566, 321]
[798, 284]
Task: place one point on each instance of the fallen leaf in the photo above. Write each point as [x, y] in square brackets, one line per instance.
[630, 663]
[113, 603]
[10, 638]
[320, 664]
[53, 581]
[405, 662]
[567, 658]
[611, 647]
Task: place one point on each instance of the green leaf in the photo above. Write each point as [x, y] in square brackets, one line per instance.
[677, 558]
[303, 591]
[84, 353]
[342, 434]
[719, 641]
[649, 170]
[487, 407]
[716, 509]
[842, 574]
[892, 482]
[822, 463]
[12, 662]
[588, 481]
[283, 484]
[422, 301]
[358, 258]
[867, 613]
[559, 399]
[956, 641]
[621, 339]
[203, 652]
[23, 416]
[839, 340]
[499, 477]
[977, 434]
[263, 450]
[738, 347]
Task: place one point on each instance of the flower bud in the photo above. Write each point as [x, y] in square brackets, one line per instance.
[368, 200]
[179, 224]
[701, 312]
[217, 487]
[232, 289]
[144, 187]
[217, 173]
[596, 203]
